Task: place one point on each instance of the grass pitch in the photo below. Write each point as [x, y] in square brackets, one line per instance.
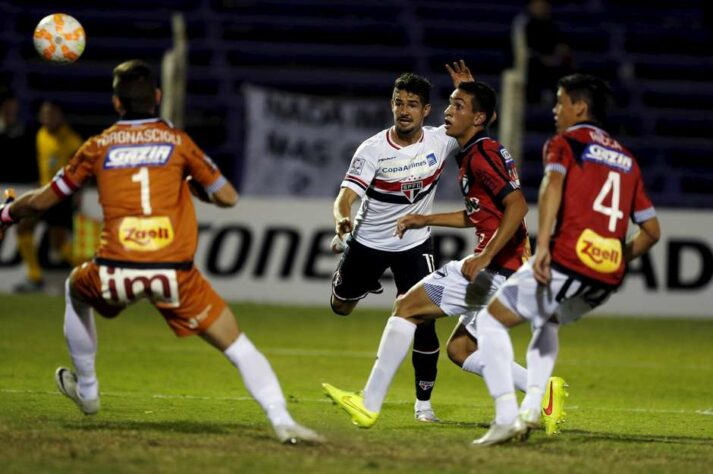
[641, 399]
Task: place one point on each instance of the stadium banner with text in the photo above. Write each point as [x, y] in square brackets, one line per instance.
[301, 145]
[277, 250]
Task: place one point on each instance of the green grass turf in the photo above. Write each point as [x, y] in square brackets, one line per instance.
[641, 399]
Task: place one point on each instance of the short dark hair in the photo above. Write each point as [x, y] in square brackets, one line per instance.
[414, 84]
[594, 91]
[135, 86]
[483, 98]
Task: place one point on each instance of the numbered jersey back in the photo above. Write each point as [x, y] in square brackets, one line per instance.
[603, 190]
[140, 168]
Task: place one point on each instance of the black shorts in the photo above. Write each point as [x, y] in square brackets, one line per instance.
[361, 268]
[60, 215]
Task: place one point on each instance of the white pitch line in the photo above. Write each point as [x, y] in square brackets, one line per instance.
[279, 351]
[370, 355]
[664, 411]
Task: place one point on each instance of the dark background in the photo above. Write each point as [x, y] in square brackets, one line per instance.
[657, 55]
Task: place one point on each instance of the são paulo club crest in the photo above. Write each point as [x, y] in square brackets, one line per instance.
[410, 189]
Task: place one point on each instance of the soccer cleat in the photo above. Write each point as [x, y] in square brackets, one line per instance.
[352, 403]
[553, 405]
[30, 286]
[66, 381]
[498, 434]
[425, 413]
[295, 434]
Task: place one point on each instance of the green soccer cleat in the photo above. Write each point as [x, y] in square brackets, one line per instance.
[352, 403]
[553, 405]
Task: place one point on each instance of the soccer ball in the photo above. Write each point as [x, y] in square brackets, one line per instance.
[59, 38]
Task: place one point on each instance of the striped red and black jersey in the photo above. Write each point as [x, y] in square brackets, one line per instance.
[487, 175]
[603, 190]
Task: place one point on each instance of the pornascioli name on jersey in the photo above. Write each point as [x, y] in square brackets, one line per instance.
[608, 157]
[147, 135]
[137, 155]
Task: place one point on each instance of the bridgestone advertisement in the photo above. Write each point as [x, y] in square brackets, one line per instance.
[277, 251]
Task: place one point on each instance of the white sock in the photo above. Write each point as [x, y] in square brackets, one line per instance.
[423, 405]
[395, 344]
[474, 364]
[81, 336]
[541, 357]
[497, 357]
[259, 379]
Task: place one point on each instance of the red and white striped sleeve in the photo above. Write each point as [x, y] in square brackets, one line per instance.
[362, 170]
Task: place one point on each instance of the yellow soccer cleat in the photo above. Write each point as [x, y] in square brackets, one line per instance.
[352, 403]
[553, 405]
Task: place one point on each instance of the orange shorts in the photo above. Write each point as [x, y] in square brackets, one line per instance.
[186, 300]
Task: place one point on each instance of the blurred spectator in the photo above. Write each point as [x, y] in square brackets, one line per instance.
[549, 56]
[16, 142]
[56, 143]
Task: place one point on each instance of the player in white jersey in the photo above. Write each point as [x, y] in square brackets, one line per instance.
[394, 173]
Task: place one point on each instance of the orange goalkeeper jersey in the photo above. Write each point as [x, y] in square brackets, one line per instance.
[140, 167]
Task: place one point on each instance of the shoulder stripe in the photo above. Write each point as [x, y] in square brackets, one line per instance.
[62, 185]
[483, 152]
[558, 167]
[644, 215]
[217, 184]
[357, 181]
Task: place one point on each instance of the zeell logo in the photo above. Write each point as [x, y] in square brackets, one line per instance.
[599, 253]
[145, 234]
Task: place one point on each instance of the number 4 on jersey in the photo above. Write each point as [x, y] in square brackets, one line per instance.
[613, 185]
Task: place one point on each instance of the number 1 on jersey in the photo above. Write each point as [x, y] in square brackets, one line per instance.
[613, 185]
[142, 177]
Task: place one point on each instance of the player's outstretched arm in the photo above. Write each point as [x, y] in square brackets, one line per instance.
[643, 239]
[30, 204]
[457, 219]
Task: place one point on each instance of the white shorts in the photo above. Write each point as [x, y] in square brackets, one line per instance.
[457, 296]
[567, 297]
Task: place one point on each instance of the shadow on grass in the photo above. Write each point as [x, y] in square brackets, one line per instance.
[460, 424]
[183, 426]
[589, 436]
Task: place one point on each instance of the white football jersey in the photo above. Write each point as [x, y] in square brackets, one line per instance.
[393, 181]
